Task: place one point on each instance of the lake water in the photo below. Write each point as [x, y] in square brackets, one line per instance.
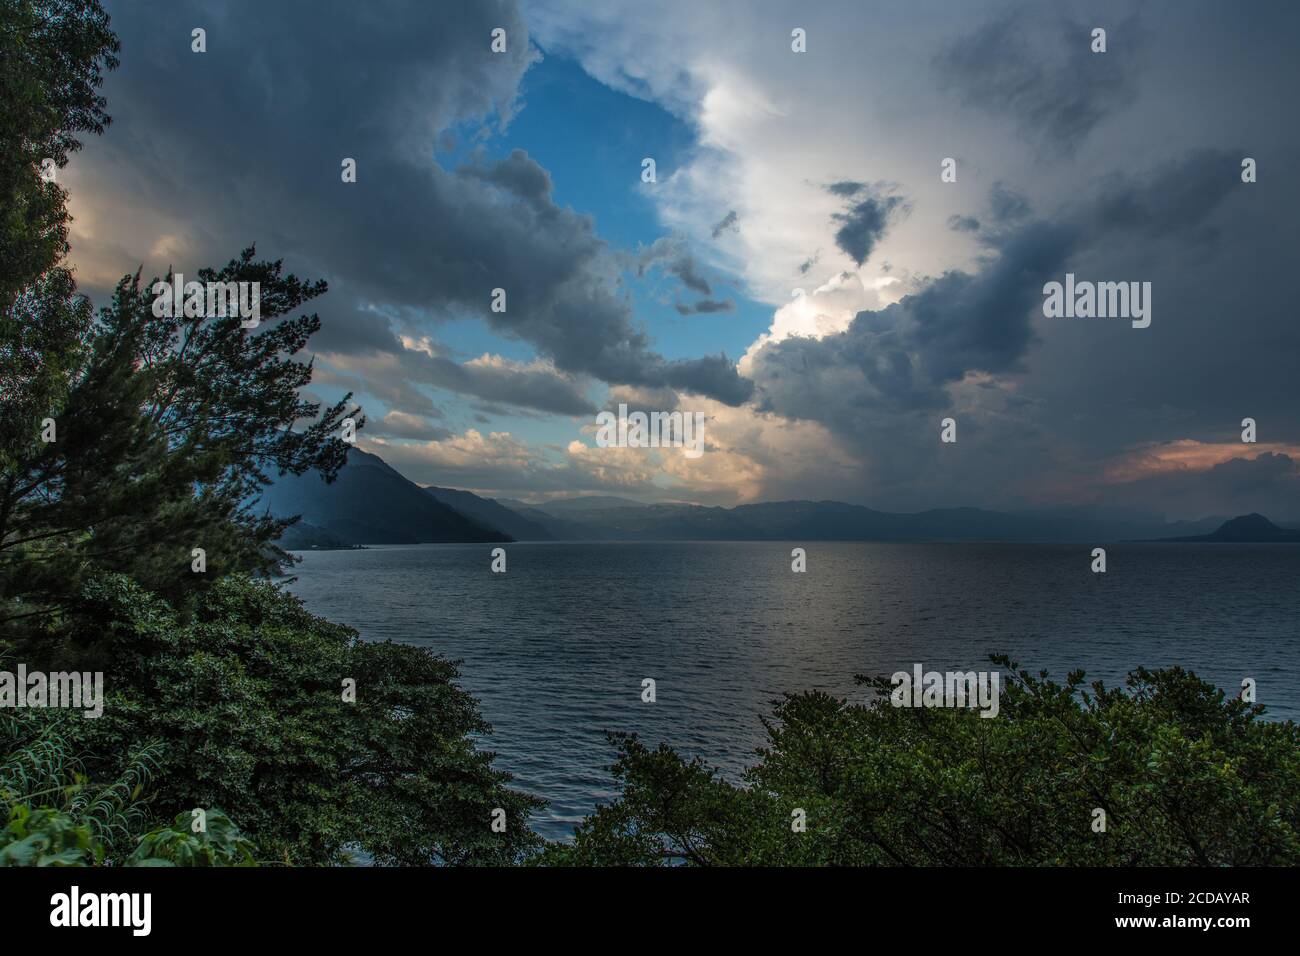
[556, 648]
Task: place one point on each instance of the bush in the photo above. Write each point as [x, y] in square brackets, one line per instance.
[1185, 776]
[219, 843]
[246, 700]
[56, 814]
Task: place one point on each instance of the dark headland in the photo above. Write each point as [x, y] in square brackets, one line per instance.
[1245, 529]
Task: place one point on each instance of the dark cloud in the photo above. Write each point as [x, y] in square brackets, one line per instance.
[712, 375]
[1175, 199]
[885, 381]
[539, 388]
[673, 255]
[350, 331]
[864, 222]
[1268, 483]
[1006, 205]
[395, 391]
[536, 388]
[963, 223]
[845, 188]
[375, 360]
[518, 175]
[902, 356]
[1044, 74]
[247, 139]
[727, 223]
[706, 306]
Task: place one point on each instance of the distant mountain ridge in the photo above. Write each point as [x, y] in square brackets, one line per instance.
[588, 503]
[371, 503]
[491, 513]
[838, 521]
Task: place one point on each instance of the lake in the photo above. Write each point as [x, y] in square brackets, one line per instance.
[555, 648]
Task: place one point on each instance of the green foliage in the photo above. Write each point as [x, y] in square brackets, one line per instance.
[246, 696]
[167, 428]
[43, 774]
[1185, 776]
[50, 837]
[219, 844]
[46, 837]
[166, 434]
[53, 55]
[56, 816]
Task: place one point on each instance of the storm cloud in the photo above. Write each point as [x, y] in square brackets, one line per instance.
[1043, 74]
[887, 377]
[863, 222]
[916, 298]
[245, 143]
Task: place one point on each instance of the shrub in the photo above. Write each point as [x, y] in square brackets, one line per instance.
[1184, 775]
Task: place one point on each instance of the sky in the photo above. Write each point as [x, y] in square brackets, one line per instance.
[799, 271]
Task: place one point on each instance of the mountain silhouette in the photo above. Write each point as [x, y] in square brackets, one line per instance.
[369, 503]
[834, 521]
[1251, 528]
[491, 513]
[588, 503]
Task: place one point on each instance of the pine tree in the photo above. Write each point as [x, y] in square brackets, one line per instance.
[164, 428]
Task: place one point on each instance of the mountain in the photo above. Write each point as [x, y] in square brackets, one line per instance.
[370, 503]
[564, 506]
[559, 529]
[837, 521]
[1251, 528]
[492, 514]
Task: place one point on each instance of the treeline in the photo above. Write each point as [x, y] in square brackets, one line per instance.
[1166, 771]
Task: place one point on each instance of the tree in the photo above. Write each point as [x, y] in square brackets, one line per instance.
[164, 428]
[251, 702]
[167, 434]
[1184, 776]
[53, 54]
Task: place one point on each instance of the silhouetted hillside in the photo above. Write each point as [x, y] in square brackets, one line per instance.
[837, 521]
[492, 514]
[370, 503]
[1251, 528]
